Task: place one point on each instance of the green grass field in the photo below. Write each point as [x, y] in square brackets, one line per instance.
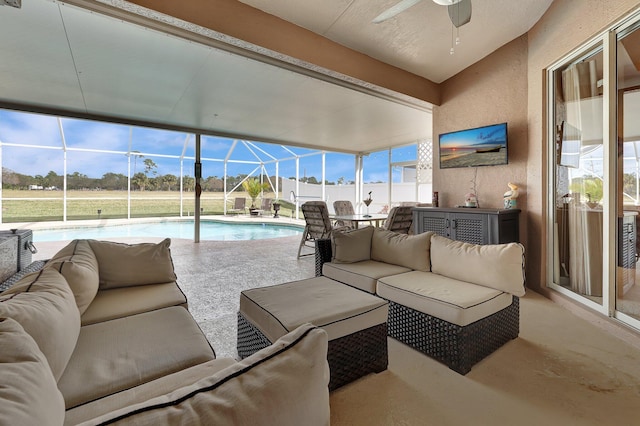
[42, 206]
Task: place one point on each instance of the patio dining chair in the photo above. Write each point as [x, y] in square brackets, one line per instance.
[400, 219]
[318, 225]
[266, 205]
[239, 206]
[344, 207]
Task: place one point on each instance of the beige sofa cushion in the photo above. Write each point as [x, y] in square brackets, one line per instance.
[339, 309]
[115, 355]
[351, 246]
[44, 305]
[139, 394]
[455, 301]
[284, 384]
[28, 391]
[410, 251]
[499, 266]
[121, 302]
[79, 266]
[124, 265]
[361, 275]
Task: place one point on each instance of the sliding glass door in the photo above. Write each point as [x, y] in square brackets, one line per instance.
[579, 175]
[594, 167]
[627, 287]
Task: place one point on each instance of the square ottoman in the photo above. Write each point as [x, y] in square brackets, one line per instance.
[355, 321]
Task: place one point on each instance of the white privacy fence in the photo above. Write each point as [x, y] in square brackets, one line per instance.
[400, 192]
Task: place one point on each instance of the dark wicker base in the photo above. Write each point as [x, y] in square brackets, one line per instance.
[250, 339]
[358, 354]
[350, 357]
[33, 267]
[457, 347]
[322, 254]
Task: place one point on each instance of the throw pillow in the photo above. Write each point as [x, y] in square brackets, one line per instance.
[29, 394]
[79, 266]
[410, 251]
[125, 265]
[351, 246]
[498, 266]
[45, 307]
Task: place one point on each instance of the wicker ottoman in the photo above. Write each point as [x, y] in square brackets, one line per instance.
[355, 321]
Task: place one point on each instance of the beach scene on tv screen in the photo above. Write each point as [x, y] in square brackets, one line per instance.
[483, 146]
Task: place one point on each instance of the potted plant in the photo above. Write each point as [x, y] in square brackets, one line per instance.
[276, 207]
[253, 187]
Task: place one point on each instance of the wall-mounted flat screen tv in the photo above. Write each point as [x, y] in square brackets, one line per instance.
[482, 146]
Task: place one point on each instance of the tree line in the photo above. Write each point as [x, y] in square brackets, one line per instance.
[147, 180]
[114, 182]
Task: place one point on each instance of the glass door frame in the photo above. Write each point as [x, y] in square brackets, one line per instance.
[624, 28]
[586, 50]
[608, 40]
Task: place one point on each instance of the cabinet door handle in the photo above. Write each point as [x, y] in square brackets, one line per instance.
[454, 221]
[446, 223]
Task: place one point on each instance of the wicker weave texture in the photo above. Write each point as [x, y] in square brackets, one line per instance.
[349, 357]
[358, 354]
[323, 254]
[457, 347]
[469, 230]
[250, 339]
[33, 267]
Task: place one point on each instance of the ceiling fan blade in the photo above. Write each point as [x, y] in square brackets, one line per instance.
[394, 10]
[460, 13]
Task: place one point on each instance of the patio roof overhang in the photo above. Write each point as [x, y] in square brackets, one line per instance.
[148, 69]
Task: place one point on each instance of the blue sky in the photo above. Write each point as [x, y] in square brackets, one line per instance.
[43, 130]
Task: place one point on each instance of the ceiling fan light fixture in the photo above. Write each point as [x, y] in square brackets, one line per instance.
[13, 3]
[446, 2]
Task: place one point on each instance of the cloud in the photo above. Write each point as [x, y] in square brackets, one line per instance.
[29, 129]
[95, 135]
[43, 130]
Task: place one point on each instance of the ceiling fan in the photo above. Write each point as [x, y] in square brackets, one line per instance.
[459, 10]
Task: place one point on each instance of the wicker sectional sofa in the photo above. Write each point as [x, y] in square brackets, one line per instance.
[456, 302]
[101, 334]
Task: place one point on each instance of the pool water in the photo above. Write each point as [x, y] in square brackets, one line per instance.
[209, 230]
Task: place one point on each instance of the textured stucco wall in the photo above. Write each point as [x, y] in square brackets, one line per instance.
[508, 86]
[491, 91]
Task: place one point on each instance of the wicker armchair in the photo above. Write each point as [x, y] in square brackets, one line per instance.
[318, 225]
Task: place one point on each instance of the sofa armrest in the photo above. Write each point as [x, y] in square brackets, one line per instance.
[323, 254]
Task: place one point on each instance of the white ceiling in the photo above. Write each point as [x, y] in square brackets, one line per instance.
[61, 58]
[417, 40]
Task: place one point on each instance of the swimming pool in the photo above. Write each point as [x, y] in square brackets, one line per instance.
[209, 230]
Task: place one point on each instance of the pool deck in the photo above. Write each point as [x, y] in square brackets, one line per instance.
[211, 273]
[282, 220]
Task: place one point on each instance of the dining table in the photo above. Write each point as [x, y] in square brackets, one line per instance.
[373, 218]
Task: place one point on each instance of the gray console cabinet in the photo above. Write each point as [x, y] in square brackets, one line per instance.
[478, 226]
